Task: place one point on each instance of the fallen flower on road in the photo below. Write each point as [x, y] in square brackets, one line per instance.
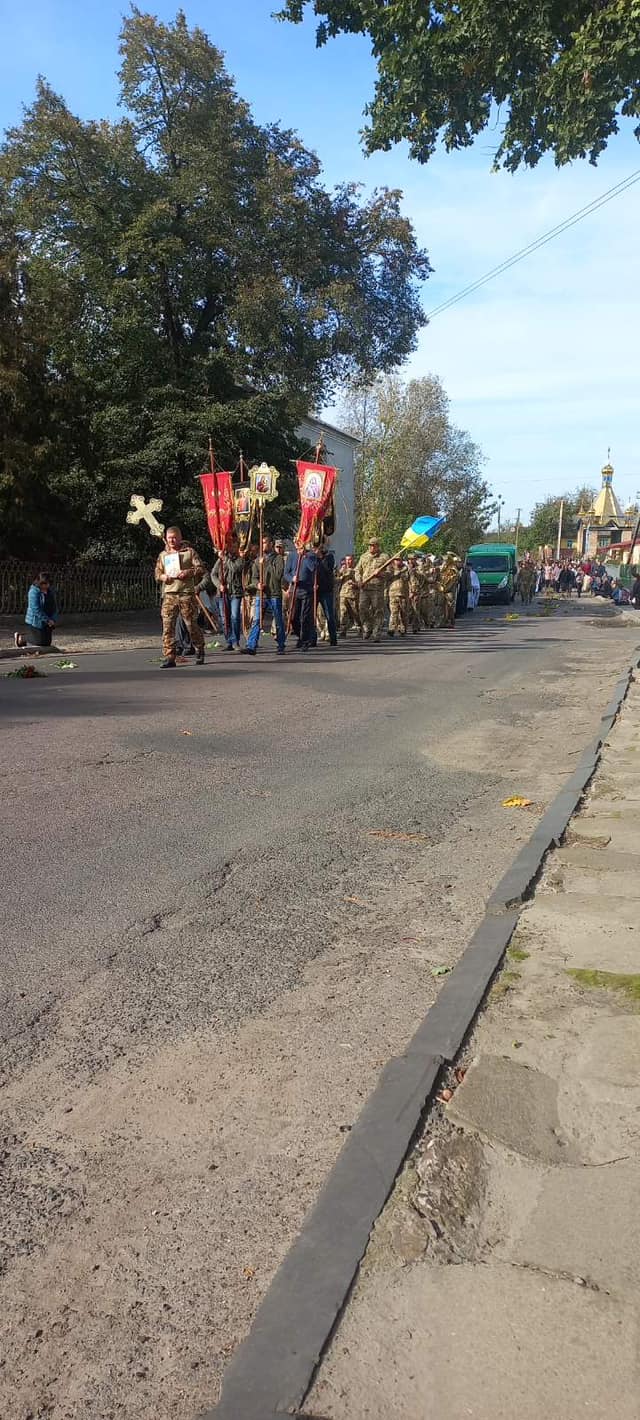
[440, 970]
[517, 802]
[357, 900]
[67, 665]
[512, 616]
[445, 1096]
[24, 673]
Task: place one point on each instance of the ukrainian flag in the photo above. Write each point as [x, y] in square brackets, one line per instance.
[421, 532]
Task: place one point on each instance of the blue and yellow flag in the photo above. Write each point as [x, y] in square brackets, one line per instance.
[421, 532]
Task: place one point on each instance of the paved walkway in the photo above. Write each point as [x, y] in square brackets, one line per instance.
[502, 1278]
[131, 631]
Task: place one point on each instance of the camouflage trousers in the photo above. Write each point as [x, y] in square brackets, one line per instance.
[176, 604]
[433, 609]
[398, 615]
[372, 610]
[349, 611]
[450, 599]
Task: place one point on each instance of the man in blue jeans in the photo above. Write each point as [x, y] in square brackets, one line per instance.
[272, 565]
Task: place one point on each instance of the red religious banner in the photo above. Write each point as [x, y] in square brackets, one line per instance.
[316, 483]
[217, 492]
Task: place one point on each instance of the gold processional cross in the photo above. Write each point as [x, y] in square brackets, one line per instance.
[145, 513]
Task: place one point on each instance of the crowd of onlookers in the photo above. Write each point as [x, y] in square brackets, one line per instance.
[588, 578]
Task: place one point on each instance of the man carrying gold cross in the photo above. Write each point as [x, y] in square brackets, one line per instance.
[178, 569]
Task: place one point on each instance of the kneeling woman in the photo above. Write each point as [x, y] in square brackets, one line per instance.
[41, 614]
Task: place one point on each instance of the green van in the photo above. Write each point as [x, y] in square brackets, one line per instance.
[496, 566]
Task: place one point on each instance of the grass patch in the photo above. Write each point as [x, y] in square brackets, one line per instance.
[506, 982]
[627, 985]
[517, 954]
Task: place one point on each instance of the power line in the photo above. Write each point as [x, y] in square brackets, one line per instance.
[540, 241]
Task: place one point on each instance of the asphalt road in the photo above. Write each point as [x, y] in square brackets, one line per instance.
[226, 893]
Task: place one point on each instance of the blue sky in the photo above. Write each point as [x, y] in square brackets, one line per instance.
[541, 365]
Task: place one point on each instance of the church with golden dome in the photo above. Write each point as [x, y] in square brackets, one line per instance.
[604, 525]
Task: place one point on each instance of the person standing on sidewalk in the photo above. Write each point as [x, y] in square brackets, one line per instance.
[177, 569]
[41, 614]
[271, 565]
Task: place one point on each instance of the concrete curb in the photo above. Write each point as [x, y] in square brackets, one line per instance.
[273, 1368]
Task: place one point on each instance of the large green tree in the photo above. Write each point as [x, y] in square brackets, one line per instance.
[561, 72]
[177, 273]
[414, 460]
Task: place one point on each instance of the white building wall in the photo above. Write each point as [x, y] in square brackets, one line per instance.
[341, 451]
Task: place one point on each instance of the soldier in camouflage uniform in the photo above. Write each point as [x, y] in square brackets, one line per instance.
[415, 580]
[348, 597]
[179, 596]
[437, 594]
[372, 592]
[428, 594]
[398, 588]
[449, 577]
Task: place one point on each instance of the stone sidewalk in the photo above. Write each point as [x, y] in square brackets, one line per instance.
[502, 1279]
[130, 631]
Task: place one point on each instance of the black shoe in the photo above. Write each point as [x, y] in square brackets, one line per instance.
[304, 646]
[299, 644]
[229, 646]
[200, 658]
[333, 643]
[391, 633]
[280, 651]
[246, 651]
[168, 664]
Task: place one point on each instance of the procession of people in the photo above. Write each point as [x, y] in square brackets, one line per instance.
[304, 595]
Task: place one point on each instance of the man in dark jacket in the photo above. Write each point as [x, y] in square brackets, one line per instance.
[300, 573]
[267, 571]
[228, 570]
[326, 591]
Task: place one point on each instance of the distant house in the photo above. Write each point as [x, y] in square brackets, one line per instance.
[603, 524]
[340, 449]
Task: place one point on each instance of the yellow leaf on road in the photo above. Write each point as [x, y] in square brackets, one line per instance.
[517, 802]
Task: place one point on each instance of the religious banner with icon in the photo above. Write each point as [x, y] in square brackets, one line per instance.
[316, 484]
[217, 491]
[263, 481]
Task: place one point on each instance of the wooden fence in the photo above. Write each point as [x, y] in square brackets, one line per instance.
[80, 586]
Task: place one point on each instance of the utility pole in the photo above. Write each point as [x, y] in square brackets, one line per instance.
[517, 530]
[559, 529]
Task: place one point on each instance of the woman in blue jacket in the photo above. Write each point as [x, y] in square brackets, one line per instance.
[41, 614]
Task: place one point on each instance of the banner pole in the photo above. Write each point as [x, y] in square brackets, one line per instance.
[261, 562]
[221, 550]
[208, 615]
